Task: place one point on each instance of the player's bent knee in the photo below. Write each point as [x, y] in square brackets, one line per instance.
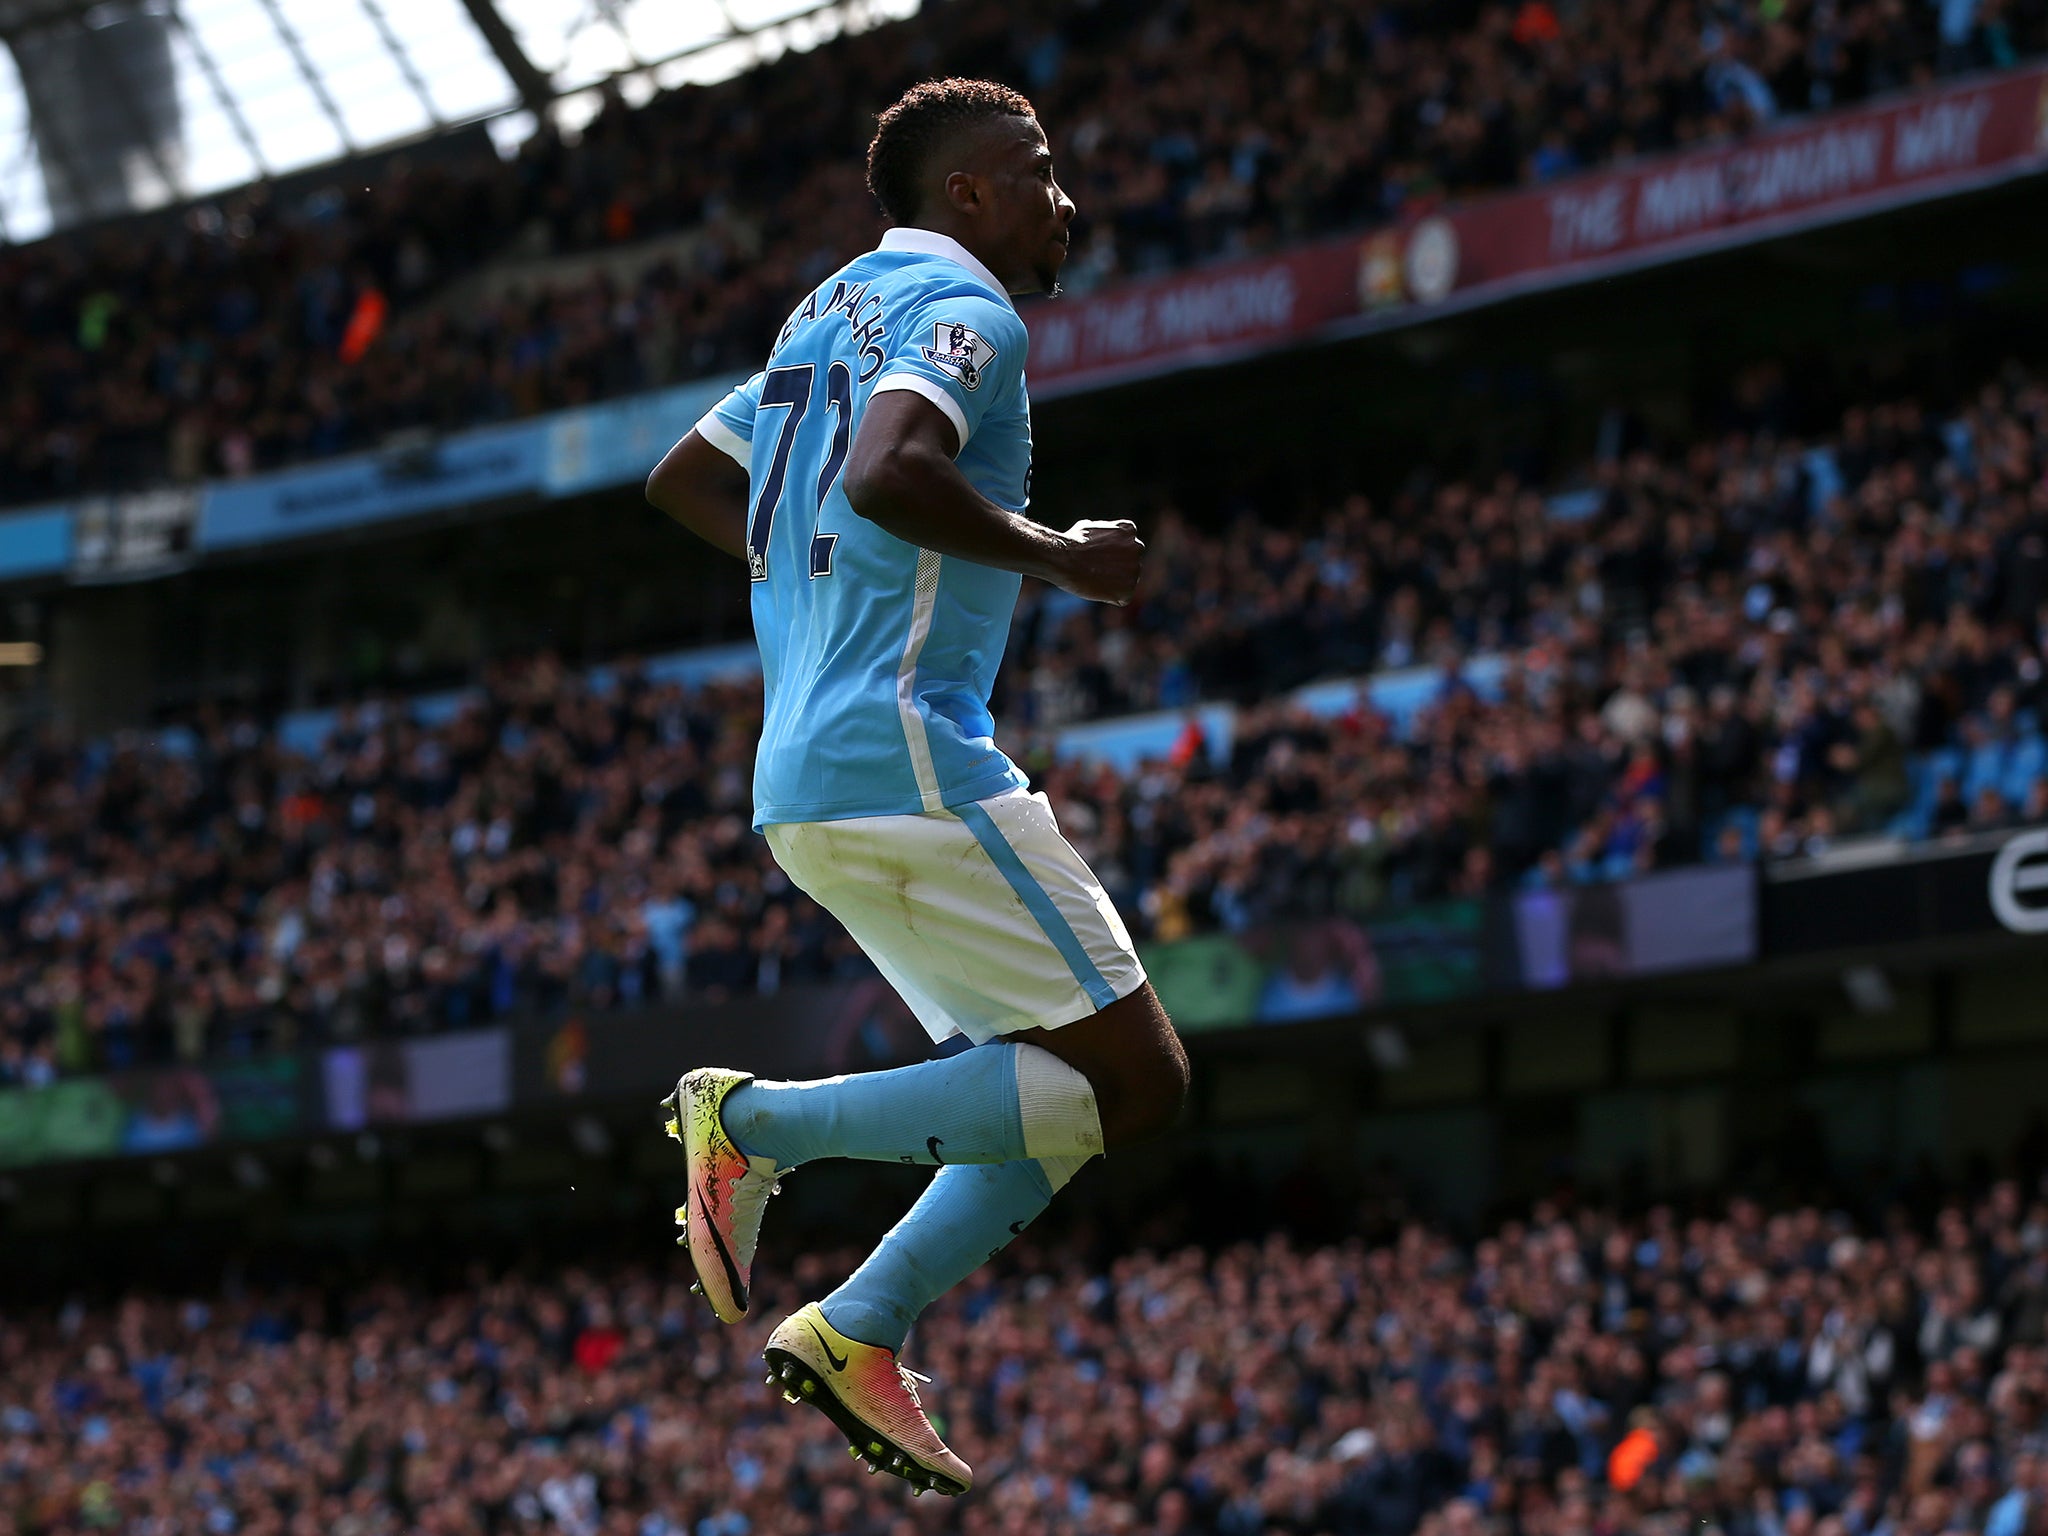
[1133, 1061]
[1149, 1098]
[1171, 1078]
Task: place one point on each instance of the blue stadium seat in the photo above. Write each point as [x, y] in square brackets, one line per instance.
[2023, 765]
[1924, 774]
[1933, 767]
[1910, 824]
[1985, 770]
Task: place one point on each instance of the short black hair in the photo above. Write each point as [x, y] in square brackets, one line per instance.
[920, 123]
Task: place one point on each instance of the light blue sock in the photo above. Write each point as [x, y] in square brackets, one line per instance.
[996, 1103]
[966, 1217]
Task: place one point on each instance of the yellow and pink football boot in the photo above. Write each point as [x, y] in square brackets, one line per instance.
[870, 1397]
[721, 1214]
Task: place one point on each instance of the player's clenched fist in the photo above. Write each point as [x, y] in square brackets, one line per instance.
[1101, 561]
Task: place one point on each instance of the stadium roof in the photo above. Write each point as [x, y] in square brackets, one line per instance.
[111, 105]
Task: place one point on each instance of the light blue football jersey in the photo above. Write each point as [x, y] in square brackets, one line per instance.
[878, 656]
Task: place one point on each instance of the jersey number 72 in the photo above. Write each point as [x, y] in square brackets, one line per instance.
[788, 389]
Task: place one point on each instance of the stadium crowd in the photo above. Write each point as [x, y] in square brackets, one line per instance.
[1732, 653]
[1746, 1373]
[267, 327]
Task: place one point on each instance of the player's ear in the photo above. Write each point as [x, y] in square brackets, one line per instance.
[963, 190]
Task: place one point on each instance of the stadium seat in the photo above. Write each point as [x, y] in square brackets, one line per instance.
[1911, 823]
[2023, 764]
[1985, 770]
[1933, 767]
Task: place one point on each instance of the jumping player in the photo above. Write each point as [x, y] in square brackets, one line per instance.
[887, 458]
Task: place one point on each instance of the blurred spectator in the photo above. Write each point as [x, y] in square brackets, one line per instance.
[1778, 1373]
[255, 331]
[1719, 662]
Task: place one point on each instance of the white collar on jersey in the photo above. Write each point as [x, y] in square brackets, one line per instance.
[929, 242]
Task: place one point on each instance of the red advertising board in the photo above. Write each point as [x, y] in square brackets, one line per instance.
[1811, 172]
[1214, 313]
[1818, 170]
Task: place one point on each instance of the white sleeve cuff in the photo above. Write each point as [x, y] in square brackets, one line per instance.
[724, 439]
[918, 384]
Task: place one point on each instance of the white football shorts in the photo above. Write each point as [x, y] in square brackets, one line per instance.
[983, 917]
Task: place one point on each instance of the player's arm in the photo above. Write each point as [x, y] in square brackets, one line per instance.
[705, 490]
[901, 476]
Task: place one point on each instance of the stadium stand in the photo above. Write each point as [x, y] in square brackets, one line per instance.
[266, 328]
[436, 1311]
[1747, 650]
[1752, 1372]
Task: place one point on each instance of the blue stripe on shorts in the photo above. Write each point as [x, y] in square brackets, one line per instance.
[1037, 902]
